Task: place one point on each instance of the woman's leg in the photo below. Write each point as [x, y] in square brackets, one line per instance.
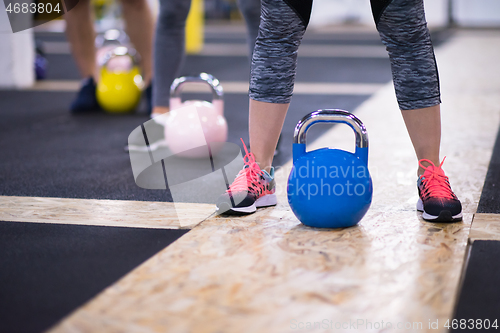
[403, 29]
[81, 37]
[274, 62]
[265, 123]
[424, 128]
[282, 26]
[168, 50]
[140, 27]
[169, 54]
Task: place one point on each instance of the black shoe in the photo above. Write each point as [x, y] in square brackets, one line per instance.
[437, 201]
[41, 62]
[148, 94]
[86, 100]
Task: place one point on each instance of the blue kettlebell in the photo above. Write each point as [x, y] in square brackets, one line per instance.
[330, 188]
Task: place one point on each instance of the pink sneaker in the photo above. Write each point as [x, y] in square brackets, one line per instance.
[437, 201]
[251, 189]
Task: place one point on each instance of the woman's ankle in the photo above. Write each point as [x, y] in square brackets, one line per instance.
[159, 110]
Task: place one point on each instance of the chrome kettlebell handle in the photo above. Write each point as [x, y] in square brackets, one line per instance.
[217, 91]
[120, 51]
[112, 36]
[331, 116]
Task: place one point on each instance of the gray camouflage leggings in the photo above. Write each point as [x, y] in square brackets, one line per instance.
[402, 28]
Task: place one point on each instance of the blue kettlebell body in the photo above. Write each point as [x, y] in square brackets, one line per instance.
[329, 188]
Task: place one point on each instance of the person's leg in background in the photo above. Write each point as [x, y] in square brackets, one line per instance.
[168, 57]
[169, 50]
[169, 53]
[403, 29]
[81, 36]
[139, 25]
[250, 9]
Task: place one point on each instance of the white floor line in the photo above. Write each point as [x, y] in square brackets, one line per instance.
[237, 87]
[55, 85]
[316, 51]
[239, 49]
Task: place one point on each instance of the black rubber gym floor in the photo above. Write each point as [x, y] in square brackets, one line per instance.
[490, 199]
[478, 306]
[47, 270]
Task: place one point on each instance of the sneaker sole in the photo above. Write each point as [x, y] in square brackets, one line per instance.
[265, 201]
[444, 215]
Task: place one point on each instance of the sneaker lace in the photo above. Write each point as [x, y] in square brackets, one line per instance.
[248, 179]
[435, 182]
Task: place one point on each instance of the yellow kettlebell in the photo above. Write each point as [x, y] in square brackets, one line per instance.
[120, 83]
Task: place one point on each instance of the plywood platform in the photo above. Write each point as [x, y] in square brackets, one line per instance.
[117, 213]
[268, 273]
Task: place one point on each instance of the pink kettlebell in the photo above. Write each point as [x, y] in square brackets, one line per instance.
[194, 126]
